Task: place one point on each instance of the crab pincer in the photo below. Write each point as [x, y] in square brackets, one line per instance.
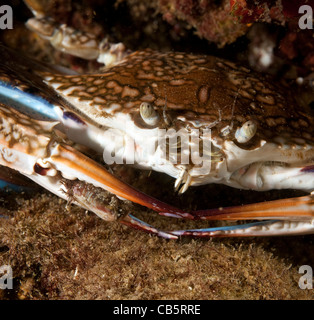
[34, 148]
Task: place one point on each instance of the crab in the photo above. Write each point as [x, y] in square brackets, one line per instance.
[200, 119]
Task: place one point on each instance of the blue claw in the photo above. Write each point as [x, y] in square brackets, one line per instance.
[136, 223]
[11, 180]
[35, 106]
[4, 185]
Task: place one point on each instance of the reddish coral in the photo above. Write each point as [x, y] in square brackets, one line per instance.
[224, 22]
[211, 21]
[298, 45]
[246, 12]
[288, 47]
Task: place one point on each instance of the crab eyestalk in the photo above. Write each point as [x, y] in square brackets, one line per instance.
[246, 132]
[149, 114]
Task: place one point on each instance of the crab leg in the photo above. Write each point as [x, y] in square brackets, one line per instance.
[103, 203]
[97, 201]
[71, 41]
[301, 208]
[33, 148]
[27, 103]
[289, 217]
[136, 223]
[260, 228]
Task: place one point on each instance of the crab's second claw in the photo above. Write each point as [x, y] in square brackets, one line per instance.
[76, 165]
[254, 229]
[300, 208]
[288, 217]
[33, 148]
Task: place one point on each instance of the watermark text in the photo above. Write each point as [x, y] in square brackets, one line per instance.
[6, 277]
[306, 20]
[6, 17]
[164, 146]
[306, 280]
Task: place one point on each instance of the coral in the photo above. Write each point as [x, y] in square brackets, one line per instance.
[211, 21]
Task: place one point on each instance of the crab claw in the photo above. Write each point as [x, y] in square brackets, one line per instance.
[300, 208]
[254, 229]
[106, 206]
[288, 217]
[34, 148]
[74, 164]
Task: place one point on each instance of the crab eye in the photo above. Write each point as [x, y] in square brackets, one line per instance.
[149, 114]
[246, 132]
